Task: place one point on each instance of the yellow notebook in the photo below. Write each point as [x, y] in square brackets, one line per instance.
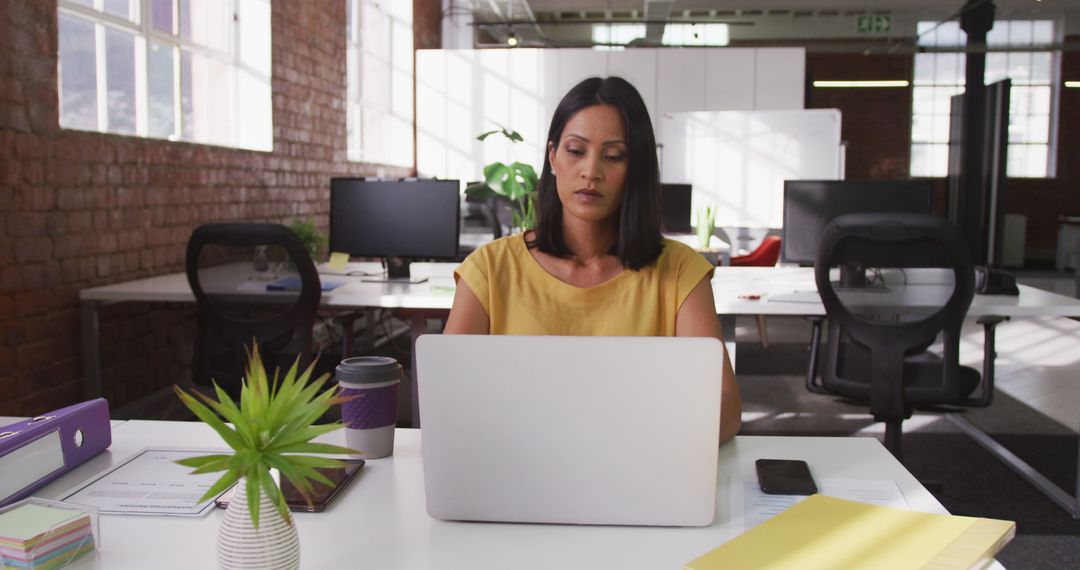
[825, 532]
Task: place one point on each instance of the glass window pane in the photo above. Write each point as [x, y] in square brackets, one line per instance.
[122, 8]
[1040, 100]
[939, 160]
[206, 22]
[1026, 161]
[947, 70]
[1019, 100]
[1020, 33]
[161, 15]
[921, 128]
[1020, 66]
[939, 128]
[924, 68]
[89, 3]
[922, 102]
[1042, 32]
[920, 160]
[999, 34]
[77, 74]
[205, 100]
[1042, 64]
[160, 88]
[997, 64]
[120, 80]
[253, 28]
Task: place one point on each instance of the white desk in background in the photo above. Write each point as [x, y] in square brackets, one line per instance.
[435, 296]
[380, 520]
[792, 291]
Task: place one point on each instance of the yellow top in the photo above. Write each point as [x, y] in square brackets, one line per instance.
[522, 298]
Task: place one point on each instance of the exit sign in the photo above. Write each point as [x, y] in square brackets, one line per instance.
[874, 23]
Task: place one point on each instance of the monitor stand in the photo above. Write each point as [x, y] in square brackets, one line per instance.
[853, 278]
[397, 271]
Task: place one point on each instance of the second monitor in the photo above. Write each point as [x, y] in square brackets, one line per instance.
[398, 220]
[675, 208]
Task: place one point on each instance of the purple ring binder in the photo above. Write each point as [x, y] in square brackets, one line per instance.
[35, 451]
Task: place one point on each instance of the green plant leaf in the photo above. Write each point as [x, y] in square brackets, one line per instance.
[308, 447]
[271, 489]
[232, 439]
[224, 482]
[480, 190]
[252, 492]
[483, 136]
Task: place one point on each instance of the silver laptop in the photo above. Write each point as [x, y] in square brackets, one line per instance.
[580, 430]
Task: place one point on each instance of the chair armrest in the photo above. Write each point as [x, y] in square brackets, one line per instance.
[989, 323]
[815, 346]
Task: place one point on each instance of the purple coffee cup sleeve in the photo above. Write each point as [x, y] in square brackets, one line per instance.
[371, 408]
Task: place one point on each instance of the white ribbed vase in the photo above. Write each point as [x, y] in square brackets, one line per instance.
[274, 546]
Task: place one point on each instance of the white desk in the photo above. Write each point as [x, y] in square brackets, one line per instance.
[729, 283]
[380, 521]
[779, 287]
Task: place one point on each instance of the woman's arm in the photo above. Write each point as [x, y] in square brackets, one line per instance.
[697, 317]
[467, 315]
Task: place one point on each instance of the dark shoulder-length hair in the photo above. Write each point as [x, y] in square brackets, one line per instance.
[639, 240]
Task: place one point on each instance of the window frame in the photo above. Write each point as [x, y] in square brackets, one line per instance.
[139, 25]
[1052, 83]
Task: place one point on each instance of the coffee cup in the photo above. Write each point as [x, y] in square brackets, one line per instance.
[370, 415]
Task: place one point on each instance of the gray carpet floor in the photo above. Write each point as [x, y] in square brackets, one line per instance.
[966, 479]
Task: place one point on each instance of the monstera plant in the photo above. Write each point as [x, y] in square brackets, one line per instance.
[514, 183]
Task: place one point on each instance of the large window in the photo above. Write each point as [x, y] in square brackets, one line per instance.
[191, 70]
[614, 36]
[379, 111]
[1031, 99]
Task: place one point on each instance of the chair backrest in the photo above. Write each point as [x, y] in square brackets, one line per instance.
[229, 267]
[766, 254]
[930, 293]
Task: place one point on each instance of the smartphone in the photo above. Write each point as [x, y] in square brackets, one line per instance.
[785, 477]
[321, 494]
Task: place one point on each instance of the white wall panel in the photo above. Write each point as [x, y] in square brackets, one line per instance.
[780, 79]
[680, 80]
[577, 64]
[638, 66]
[461, 93]
[737, 161]
[729, 79]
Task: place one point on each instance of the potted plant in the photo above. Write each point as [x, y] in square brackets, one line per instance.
[515, 183]
[311, 237]
[272, 427]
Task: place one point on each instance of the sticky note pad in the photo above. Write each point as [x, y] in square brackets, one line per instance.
[337, 261]
[27, 522]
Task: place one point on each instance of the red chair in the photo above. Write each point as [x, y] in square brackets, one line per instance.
[766, 255]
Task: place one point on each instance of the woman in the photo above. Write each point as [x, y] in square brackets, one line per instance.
[597, 263]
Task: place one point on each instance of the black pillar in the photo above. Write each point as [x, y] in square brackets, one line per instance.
[973, 199]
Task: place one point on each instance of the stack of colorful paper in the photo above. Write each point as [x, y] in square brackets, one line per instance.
[36, 537]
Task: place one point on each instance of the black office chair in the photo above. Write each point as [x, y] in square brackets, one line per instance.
[226, 265]
[876, 348]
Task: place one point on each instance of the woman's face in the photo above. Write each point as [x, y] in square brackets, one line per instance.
[589, 163]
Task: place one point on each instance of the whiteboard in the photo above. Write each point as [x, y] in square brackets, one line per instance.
[737, 161]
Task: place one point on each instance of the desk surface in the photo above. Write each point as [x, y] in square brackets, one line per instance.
[729, 285]
[380, 521]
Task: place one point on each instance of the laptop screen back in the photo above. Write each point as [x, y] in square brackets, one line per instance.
[583, 430]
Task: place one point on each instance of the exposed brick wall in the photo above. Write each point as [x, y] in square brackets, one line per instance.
[876, 123]
[81, 209]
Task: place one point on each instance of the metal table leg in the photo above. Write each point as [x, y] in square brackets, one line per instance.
[1021, 467]
[91, 350]
[727, 328]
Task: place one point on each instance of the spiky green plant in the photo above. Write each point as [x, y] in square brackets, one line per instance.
[271, 428]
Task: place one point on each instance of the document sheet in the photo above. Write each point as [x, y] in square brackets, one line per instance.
[751, 507]
[149, 483]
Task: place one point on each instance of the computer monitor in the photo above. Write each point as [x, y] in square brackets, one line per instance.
[675, 208]
[397, 220]
[809, 206]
